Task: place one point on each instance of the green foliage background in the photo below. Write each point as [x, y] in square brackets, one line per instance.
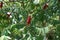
[24, 7]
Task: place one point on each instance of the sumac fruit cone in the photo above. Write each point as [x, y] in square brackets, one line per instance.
[29, 20]
[45, 6]
[1, 4]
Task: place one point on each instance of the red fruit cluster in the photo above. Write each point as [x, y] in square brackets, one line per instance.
[45, 6]
[1, 4]
[28, 19]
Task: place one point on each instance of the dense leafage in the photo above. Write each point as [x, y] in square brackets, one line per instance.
[42, 13]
